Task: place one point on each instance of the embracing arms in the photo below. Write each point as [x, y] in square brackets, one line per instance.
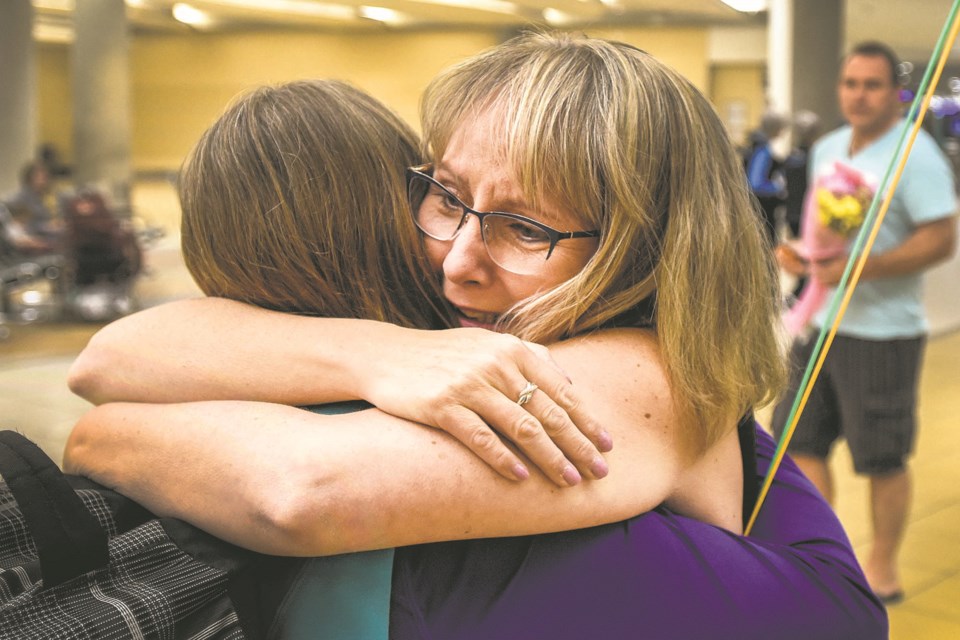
[283, 480]
[464, 380]
[210, 349]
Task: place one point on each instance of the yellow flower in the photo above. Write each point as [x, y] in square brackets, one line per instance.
[843, 214]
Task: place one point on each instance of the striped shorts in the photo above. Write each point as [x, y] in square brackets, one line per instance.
[865, 393]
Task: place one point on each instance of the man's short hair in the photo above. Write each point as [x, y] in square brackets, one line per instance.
[875, 49]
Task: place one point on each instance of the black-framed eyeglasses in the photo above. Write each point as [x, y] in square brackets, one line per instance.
[516, 243]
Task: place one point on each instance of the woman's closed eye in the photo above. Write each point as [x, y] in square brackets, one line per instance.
[442, 202]
[517, 232]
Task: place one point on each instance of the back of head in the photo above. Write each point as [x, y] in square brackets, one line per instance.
[806, 128]
[772, 124]
[294, 200]
[640, 154]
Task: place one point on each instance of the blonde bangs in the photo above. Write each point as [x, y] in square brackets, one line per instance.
[635, 150]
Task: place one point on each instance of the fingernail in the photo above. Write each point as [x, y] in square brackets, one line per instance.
[571, 475]
[520, 472]
[604, 441]
[599, 467]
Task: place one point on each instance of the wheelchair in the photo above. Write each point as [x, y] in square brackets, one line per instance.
[89, 276]
[31, 282]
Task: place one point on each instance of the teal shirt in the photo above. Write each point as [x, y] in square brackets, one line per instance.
[345, 597]
[890, 308]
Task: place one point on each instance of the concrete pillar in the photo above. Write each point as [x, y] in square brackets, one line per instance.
[101, 93]
[18, 91]
[818, 45]
[780, 56]
[805, 44]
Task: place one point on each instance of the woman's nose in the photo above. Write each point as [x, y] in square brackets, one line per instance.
[467, 259]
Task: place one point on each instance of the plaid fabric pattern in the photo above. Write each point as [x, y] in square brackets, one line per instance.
[19, 568]
[149, 589]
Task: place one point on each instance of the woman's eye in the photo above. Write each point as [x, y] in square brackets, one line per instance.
[528, 233]
[443, 202]
[451, 202]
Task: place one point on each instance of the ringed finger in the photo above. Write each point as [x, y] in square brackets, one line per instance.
[472, 432]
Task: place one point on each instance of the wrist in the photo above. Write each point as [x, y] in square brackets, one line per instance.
[355, 352]
[872, 267]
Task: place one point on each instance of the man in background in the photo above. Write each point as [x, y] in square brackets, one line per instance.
[867, 390]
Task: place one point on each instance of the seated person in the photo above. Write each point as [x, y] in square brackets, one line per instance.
[30, 202]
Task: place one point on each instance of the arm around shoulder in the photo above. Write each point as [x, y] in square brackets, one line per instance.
[282, 480]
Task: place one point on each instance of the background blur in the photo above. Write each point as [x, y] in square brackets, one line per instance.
[122, 90]
[181, 76]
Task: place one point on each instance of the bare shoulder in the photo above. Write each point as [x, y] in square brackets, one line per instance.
[622, 366]
[621, 376]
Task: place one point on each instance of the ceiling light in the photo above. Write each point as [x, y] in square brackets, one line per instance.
[188, 14]
[303, 8]
[382, 14]
[54, 5]
[47, 32]
[557, 18]
[747, 6]
[494, 6]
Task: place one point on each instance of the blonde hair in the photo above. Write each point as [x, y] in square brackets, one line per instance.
[294, 200]
[638, 152]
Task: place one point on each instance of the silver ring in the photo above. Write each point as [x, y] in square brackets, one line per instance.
[527, 393]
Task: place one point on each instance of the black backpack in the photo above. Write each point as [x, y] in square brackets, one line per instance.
[78, 560]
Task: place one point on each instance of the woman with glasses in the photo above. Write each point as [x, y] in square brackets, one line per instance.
[568, 200]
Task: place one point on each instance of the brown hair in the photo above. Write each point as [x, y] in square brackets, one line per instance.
[876, 49]
[294, 200]
[640, 154]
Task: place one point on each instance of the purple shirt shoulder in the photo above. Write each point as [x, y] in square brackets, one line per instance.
[658, 575]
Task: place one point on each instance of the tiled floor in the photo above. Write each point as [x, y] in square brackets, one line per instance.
[34, 399]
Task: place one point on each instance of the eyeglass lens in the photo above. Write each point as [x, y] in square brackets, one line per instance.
[513, 244]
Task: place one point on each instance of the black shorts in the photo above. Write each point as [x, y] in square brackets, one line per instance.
[866, 393]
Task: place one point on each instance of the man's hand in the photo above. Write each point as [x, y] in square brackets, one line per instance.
[791, 260]
[830, 270]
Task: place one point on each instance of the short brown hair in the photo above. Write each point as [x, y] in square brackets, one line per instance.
[875, 49]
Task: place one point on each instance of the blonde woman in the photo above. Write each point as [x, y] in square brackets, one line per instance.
[581, 191]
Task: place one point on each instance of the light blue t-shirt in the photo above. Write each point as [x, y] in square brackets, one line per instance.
[890, 308]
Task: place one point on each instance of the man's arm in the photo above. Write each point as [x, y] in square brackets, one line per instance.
[929, 244]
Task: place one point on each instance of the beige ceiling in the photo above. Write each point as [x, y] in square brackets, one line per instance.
[910, 26]
[234, 14]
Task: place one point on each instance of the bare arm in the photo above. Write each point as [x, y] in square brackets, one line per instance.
[458, 380]
[929, 244]
[283, 480]
[209, 349]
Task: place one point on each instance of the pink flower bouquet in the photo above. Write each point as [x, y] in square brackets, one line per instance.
[833, 212]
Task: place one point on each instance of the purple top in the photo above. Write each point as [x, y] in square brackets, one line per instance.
[658, 575]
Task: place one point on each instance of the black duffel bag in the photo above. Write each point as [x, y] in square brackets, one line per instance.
[78, 560]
